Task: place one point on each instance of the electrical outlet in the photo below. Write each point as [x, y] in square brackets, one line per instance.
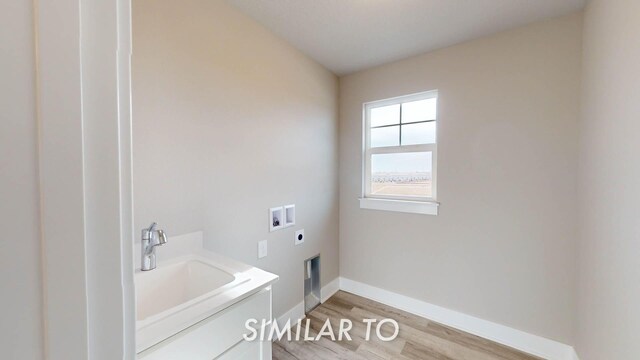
[299, 237]
[262, 249]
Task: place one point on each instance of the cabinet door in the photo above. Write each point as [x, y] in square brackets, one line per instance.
[214, 336]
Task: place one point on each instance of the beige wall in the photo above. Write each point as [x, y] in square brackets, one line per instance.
[20, 269]
[503, 246]
[609, 290]
[228, 121]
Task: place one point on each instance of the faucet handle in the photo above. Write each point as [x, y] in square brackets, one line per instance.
[162, 237]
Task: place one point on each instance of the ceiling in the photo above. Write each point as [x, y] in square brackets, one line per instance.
[351, 35]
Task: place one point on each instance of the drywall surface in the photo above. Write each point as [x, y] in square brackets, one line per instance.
[229, 121]
[503, 247]
[20, 269]
[608, 293]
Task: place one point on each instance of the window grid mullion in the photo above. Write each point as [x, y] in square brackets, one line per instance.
[409, 123]
[400, 129]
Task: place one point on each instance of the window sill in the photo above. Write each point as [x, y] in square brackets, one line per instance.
[404, 206]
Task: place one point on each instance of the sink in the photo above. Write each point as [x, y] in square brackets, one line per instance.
[174, 286]
[189, 284]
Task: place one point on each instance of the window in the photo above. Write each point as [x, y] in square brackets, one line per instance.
[400, 154]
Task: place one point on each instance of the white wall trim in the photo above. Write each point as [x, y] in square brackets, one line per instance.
[61, 179]
[529, 343]
[297, 312]
[294, 314]
[85, 169]
[404, 206]
[330, 289]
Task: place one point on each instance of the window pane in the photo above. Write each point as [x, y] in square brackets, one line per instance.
[385, 115]
[401, 174]
[421, 133]
[385, 136]
[419, 110]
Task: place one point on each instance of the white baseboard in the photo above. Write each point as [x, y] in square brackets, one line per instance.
[529, 343]
[297, 312]
[330, 289]
[293, 315]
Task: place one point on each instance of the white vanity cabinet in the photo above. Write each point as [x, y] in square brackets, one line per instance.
[219, 336]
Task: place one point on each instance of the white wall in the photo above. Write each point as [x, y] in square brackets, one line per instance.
[609, 288]
[20, 269]
[503, 247]
[229, 121]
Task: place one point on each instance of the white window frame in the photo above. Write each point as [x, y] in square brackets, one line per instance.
[410, 204]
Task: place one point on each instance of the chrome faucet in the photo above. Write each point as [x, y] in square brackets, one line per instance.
[150, 239]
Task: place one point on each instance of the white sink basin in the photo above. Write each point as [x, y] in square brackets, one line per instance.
[177, 285]
[189, 285]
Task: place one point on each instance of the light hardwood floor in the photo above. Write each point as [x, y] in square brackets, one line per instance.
[419, 338]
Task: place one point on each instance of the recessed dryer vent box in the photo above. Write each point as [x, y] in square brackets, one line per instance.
[311, 283]
[276, 218]
[289, 215]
